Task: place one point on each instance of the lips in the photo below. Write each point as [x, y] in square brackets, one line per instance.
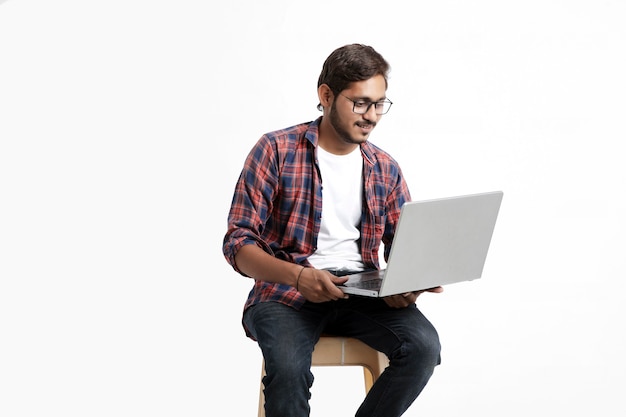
[366, 126]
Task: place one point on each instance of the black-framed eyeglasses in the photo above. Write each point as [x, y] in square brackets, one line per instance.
[363, 106]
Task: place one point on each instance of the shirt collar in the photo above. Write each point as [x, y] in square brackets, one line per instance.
[312, 135]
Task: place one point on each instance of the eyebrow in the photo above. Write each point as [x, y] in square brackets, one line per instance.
[369, 99]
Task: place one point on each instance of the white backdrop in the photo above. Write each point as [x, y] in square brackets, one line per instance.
[123, 126]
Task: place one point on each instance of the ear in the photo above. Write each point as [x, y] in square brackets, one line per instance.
[325, 95]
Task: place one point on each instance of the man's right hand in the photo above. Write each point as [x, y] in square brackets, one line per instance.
[318, 286]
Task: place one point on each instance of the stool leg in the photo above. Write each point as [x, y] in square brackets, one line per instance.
[368, 378]
[261, 394]
[373, 368]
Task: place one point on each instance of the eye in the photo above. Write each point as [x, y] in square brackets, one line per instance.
[360, 104]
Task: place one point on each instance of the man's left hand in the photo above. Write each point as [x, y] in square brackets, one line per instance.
[407, 298]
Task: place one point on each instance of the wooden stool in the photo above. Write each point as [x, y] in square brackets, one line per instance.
[341, 351]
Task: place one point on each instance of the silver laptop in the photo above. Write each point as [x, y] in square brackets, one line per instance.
[437, 242]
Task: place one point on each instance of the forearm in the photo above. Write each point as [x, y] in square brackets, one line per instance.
[258, 264]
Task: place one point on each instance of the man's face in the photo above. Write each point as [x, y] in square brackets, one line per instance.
[353, 128]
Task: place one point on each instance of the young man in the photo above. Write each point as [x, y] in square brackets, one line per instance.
[313, 202]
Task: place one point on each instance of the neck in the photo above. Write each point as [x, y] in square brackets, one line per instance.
[331, 142]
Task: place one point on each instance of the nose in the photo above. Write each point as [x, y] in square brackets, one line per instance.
[371, 114]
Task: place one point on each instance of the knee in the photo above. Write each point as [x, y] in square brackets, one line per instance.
[424, 349]
[288, 373]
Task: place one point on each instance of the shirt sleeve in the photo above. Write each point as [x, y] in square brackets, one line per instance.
[252, 201]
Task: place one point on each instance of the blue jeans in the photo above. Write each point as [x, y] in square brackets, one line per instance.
[287, 337]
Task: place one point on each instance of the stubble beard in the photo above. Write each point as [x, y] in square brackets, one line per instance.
[343, 134]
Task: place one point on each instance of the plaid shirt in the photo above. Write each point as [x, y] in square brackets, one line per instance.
[277, 205]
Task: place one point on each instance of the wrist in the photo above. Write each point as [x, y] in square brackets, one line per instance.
[298, 278]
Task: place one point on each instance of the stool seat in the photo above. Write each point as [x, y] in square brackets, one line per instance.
[341, 351]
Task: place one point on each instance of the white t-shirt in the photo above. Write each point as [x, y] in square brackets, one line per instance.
[342, 199]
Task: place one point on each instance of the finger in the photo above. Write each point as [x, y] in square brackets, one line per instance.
[396, 301]
[337, 293]
[338, 280]
[332, 289]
